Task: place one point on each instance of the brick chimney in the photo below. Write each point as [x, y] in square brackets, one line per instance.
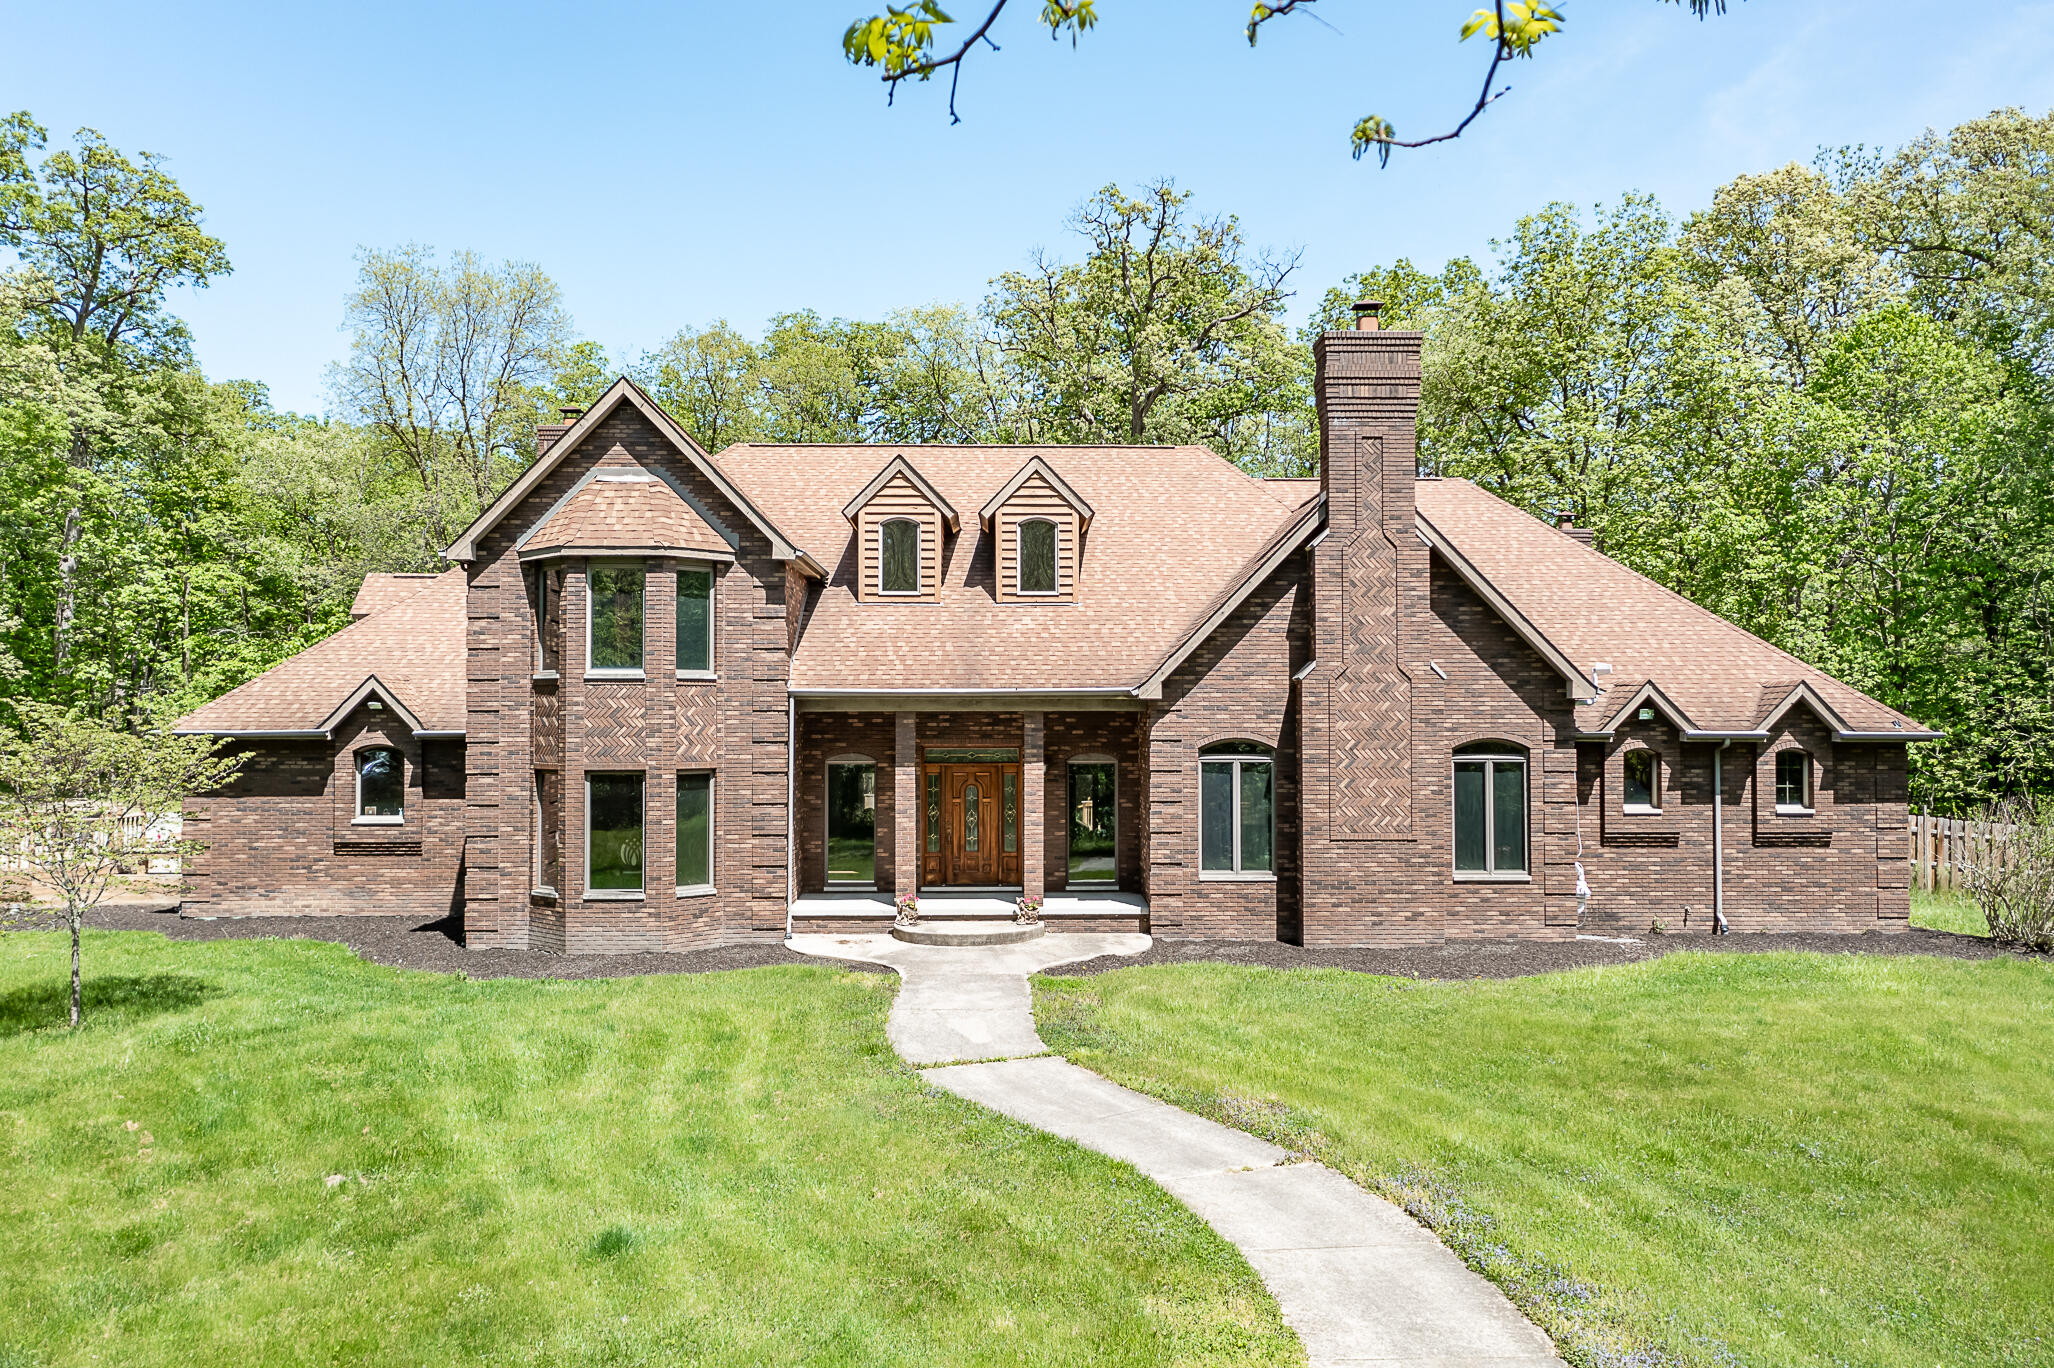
[1356, 709]
[1575, 533]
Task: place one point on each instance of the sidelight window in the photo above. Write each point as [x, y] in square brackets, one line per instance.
[1237, 819]
[852, 821]
[381, 786]
[898, 557]
[1490, 812]
[695, 621]
[614, 620]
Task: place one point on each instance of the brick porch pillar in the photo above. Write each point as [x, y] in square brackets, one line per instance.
[1032, 837]
[905, 862]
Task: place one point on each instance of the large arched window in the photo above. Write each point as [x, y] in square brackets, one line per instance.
[1490, 811]
[1237, 811]
[1037, 556]
[898, 557]
[381, 785]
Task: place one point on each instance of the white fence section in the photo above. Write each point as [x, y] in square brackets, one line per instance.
[164, 829]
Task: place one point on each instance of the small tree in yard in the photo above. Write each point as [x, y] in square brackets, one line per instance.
[77, 799]
[2012, 881]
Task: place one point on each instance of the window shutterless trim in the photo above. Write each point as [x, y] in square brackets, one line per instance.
[1055, 537]
[1236, 873]
[1070, 800]
[591, 605]
[712, 834]
[678, 572]
[616, 894]
[1490, 873]
[827, 878]
[919, 556]
[358, 817]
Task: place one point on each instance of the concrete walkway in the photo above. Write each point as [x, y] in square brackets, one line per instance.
[1357, 1278]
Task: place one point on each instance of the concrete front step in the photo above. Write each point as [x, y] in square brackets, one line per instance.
[967, 933]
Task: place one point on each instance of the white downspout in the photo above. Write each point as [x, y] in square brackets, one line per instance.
[791, 808]
[1719, 838]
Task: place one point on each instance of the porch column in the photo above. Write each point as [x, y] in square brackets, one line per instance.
[905, 770]
[1033, 840]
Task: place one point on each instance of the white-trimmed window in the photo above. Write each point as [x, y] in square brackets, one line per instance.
[852, 821]
[695, 621]
[381, 787]
[1490, 811]
[1793, 782]
[898, 556]
[613, 618]
[695, 832]
[1642, 790]
[1094, 820]
[1037, 549]
[1237, 811]
[613, 835]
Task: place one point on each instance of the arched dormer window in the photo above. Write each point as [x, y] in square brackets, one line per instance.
[381, 786]
[1490, 811]
[1237, 811]
[1037, 556]
[898, 557]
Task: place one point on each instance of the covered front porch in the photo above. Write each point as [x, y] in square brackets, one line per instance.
[975, 806]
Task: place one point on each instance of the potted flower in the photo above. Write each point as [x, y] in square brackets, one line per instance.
[908, 910]
[1027, 911]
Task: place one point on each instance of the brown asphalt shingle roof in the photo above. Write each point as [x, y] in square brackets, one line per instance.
[1595, 609]
[624, 508]
[381, 590]
[415, 646]
[1172, 526]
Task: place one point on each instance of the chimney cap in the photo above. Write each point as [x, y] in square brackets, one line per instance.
[570, 413]
[1366, 311]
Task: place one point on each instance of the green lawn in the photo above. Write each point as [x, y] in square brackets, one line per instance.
[1948, 911]
[1706, 1159]
[270, 1152]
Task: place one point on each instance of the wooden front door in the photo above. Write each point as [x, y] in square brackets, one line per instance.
[979, 814]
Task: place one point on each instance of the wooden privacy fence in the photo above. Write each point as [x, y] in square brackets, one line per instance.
[1944, 849]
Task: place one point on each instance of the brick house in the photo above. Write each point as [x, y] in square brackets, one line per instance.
[670, 699]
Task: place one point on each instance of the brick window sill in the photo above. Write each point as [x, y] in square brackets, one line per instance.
[1233, 876]
[697, 891]
[1463, 876]
[613, 895]
[615, 676]
[1782, 811]
[698, 676]
[378, 821]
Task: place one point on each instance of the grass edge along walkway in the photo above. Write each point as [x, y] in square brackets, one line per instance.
[272, 1152]
[1704, 1159]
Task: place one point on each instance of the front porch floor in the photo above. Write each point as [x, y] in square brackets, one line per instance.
[938, 905]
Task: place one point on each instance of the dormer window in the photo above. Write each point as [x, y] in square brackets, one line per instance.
[1037, 524]
[1037, 556]
[898, 557]
[901, 522]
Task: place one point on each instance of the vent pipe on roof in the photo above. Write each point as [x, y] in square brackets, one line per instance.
[1366, 311]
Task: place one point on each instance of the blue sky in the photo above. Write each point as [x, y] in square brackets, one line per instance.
[670, 167]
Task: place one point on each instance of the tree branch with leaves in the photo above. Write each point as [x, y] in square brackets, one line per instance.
[909, 43]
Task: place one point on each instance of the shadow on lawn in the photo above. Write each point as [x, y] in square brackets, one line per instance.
[127, 997]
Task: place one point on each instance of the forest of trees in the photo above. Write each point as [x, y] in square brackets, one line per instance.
[1822, 405]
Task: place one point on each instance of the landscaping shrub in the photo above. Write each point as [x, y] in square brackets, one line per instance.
[2012, 881]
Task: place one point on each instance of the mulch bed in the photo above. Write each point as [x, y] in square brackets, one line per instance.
[435, 946]
[1517, 959]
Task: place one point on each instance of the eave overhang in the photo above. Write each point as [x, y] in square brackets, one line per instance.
[1580, 686]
